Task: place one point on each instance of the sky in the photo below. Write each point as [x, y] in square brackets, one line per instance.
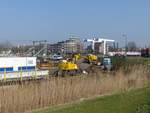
[22, 21]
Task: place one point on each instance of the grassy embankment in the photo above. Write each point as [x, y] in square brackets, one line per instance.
[127, 102]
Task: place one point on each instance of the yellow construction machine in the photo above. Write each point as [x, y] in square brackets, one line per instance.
[91, 58]
[67, 68]
[77, 56]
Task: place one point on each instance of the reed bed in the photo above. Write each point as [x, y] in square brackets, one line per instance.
[61, 90]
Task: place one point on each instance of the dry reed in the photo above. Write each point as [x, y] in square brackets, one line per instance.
[58, 90]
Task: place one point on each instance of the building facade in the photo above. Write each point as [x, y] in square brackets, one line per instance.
[72, 45]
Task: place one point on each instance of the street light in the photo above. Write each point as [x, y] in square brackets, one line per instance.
[125, 36]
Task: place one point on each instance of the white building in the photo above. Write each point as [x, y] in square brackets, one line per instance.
[99, 44]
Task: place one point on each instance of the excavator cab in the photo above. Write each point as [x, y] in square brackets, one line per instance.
[107, 63]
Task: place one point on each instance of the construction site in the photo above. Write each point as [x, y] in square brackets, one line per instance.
[41, 60]
[43, 74]
[74, 56]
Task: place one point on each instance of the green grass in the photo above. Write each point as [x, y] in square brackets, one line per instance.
[124, 62]
[120, 103]
[138, 60]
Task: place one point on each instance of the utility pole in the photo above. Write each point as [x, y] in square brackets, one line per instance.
[125, 37]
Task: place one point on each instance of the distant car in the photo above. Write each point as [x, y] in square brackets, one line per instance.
[56, 57]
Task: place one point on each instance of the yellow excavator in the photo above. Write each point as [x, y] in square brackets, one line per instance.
[73, 66]
[66, 67]
[77, 57]
[91, 58]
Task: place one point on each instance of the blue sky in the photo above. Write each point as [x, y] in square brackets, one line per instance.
[22, 21]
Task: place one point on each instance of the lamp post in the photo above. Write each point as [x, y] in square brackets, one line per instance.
[125, 37]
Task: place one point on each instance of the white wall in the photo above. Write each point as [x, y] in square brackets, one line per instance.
[17, 61]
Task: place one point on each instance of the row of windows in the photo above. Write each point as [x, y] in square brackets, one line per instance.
[24, 68]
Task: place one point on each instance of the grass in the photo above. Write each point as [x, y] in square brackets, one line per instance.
[138, 60]
[120, 103]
